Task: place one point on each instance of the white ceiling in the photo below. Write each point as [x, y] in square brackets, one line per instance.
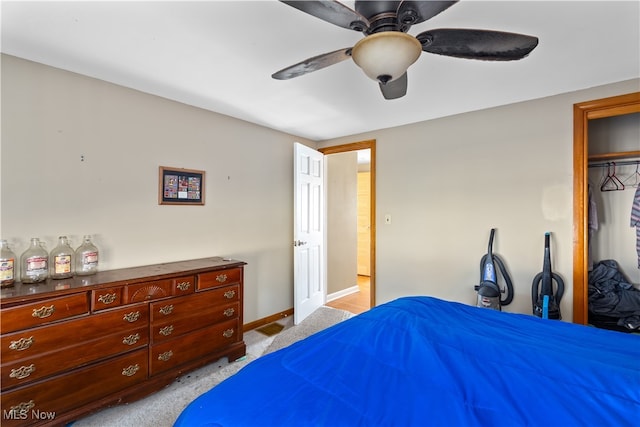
[219, 55]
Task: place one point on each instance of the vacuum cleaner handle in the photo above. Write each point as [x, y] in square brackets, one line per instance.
[548, 276]
[487, 263]
[547, 288]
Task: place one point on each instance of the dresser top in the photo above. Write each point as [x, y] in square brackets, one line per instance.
[20, 292]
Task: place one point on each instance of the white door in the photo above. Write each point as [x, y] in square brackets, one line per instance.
[308, 232]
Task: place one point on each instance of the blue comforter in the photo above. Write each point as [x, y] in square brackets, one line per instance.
[420, 361]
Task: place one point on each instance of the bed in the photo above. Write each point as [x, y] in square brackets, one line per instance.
[421, 361]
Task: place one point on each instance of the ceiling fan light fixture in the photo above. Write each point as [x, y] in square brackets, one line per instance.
[386, 56]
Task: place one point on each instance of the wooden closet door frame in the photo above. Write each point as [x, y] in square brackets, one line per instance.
[582, 113]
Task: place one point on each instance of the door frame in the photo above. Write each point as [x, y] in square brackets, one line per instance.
[582, 113]
[355, 146]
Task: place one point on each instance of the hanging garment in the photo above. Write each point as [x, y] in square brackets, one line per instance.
[593, 225]
[635, 220]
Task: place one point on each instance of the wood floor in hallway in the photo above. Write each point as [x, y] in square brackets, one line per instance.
[357, 302]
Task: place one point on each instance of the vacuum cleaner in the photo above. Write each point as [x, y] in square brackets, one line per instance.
[489, 291]
[546, 302]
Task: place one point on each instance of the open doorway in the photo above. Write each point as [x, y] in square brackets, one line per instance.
[351, 259]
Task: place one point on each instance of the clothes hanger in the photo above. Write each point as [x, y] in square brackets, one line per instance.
[611, 181]
[606, 179]
[634, 179]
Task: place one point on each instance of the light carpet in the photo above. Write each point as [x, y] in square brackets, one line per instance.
[162, 408]
[320, 319]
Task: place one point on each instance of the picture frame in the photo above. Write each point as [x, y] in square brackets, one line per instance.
[178, 186]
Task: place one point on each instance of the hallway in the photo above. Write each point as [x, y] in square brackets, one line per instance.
[357, 302]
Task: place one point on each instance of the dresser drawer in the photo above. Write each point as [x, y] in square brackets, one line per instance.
[74, 389]
[27, 370]
[106, 298]
[219, 278]
[148, 291]
[190, 347]
[193, 305]
[162, 331]
[40, 313]
[184, 285]
[45, 339]
[224, 295]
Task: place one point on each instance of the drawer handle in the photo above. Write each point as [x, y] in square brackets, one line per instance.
[229, 312]
[228, 333]
[131, 317]
[21, 344]
[165, 356]
[131, 339]
[130, 370]
[166, 310]
[166, 331]
[230, 294]
[43, 312]
[107, 298]
[22, 372]
[22, 408]
[183, 286]
[221, 278]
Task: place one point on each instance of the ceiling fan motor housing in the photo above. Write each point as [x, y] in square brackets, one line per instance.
[382, 16]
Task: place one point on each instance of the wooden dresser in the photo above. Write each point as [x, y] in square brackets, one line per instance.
[72, 346]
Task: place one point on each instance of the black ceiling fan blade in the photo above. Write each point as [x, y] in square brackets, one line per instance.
[333, 12]
[313, 64]
[477, 44]
[414, 12]
[396, 88]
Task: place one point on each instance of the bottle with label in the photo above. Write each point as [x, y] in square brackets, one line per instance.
[34, 263]
[8, 265]
[61, 259]
[86, 258]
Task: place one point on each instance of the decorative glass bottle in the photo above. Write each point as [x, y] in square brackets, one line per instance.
[34, 263]
[86, 258]
[61, 259]
[8, 265]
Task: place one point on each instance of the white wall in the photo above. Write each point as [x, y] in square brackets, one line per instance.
[447, 182]
[50, 118]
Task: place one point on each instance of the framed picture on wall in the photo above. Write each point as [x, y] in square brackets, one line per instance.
[180, 186]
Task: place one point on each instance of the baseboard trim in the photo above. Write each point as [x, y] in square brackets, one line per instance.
[343, 293]
[275, 317]
[266, 320]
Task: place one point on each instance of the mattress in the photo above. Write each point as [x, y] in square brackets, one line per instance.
[421, 361]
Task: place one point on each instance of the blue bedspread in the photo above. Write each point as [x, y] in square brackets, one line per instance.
[420, 361]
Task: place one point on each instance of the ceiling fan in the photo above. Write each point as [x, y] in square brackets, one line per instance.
[386, 51]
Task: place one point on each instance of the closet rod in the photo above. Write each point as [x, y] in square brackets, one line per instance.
[622, 163]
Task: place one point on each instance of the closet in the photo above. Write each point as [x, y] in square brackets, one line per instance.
[606, 157]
